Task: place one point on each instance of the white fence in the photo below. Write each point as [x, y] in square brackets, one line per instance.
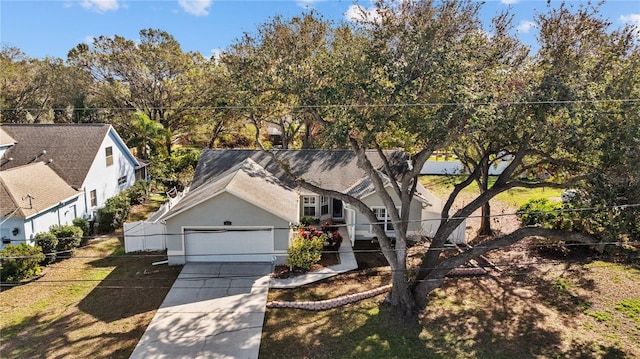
[350, 219]
[456, 167]
[144, 236]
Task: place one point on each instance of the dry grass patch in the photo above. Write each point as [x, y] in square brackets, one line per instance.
[538, 308]
[96, 304]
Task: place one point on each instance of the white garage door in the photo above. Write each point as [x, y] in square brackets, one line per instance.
[228, 244]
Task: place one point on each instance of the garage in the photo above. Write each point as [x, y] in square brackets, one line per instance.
[228, 244]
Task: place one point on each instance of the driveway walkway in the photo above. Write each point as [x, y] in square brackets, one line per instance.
[213, 310]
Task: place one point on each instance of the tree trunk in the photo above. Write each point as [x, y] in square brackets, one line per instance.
[400, 299]
[485, 221]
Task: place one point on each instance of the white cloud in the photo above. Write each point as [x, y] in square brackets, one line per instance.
[100, 6]
[358, 13]
[632, 19]
[509, 2]
[525, 26]
[196, 7]
[216, 53]
[88, 39]
[306, 3]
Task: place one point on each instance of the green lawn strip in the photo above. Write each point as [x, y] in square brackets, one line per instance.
[57, 294]
[443, 185]
[630, 308]
[142, 211]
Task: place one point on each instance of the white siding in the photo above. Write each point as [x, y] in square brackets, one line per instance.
[104, 179]
[214, 212]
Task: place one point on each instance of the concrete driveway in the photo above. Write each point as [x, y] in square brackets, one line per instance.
[213, 310]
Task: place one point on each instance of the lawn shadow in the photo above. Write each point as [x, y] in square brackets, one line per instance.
[360, 330]
[498, 317]
[133, 286]
[40, 337]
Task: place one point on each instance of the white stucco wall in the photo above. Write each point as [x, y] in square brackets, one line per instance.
[214, 212]
[61, 214]
[104, 179]
[425, 219]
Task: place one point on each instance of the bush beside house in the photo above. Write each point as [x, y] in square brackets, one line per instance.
[49, 244]
[20, 262]
[305, 252]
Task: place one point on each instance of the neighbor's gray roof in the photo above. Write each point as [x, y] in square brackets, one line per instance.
[39, 181]
[330, 169]
[249, 181]
[72, 147]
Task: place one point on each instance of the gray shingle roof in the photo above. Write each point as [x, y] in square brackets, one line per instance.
[72, 147]
[39, 181]
[330, 169]
[249, 181]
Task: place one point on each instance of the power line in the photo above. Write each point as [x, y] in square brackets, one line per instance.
[355, 251]
[345, 225]
[375, 271]
[333, 106]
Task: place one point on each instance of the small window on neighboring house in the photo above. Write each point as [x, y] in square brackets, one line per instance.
[109, 155]
[324, 205]
[383, 217]
[122, 180]
[309, 206]
[94, 198]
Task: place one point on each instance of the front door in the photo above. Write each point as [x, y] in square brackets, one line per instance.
[338, 212]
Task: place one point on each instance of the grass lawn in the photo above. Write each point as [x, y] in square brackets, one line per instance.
[443, 185]
[142, 211]
[559, 310]
[96, 304]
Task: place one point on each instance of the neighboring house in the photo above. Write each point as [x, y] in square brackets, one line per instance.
[241, 205]
[32, 198]
[91, 159]
[6, 142]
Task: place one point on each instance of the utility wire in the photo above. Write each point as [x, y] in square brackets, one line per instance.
[355, 251]
[344, 225]
[281, 106]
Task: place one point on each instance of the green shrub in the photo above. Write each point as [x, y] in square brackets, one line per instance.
[309, 221]
[114, 213]
[303, 253]
[538, 212]
[69, 237]
[139, 192]
[49, 243]
[17, 269]
[83, 224]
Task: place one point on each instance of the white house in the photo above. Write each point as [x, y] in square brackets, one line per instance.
[33, 198]
[241, 205]
[91, 159]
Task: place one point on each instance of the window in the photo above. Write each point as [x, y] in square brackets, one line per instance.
[94, 198]
[324, 205]
[381, 214]
[109, 155]
[309, 206]
[122, 180]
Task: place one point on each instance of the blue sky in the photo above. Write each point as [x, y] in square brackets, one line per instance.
[53, 27]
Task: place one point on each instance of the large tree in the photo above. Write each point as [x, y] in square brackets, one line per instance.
[413, 76]
[38, 90]
[277, 71]
[152, 75]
